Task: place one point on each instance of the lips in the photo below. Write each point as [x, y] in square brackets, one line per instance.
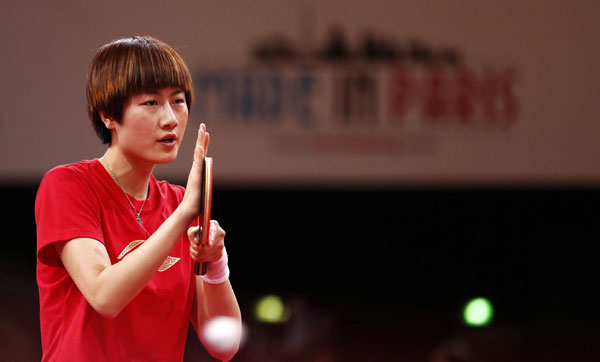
[170, 138]
[169, 141]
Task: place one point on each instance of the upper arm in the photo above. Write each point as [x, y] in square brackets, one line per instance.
[84, 259]
[66, 208]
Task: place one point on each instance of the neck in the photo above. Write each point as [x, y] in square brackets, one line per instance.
[133, 175]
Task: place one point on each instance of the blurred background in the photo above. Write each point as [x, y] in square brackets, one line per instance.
[379, 165]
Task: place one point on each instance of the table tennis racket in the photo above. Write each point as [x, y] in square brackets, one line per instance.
[205, 209]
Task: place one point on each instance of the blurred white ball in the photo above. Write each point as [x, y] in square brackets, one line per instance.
[222, 333]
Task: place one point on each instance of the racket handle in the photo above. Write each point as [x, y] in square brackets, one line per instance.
[200, 268]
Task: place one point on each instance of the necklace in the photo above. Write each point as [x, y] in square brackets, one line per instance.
[137, 213]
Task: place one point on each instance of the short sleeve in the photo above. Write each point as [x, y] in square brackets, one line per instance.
[66, 208]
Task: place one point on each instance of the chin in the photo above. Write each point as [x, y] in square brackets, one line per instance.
[164, 159]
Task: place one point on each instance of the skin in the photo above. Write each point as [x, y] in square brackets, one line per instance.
[135, 149]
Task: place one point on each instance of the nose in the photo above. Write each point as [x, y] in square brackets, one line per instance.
[168, 118]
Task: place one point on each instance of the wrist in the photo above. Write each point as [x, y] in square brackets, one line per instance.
[217, 272]
[187, 214]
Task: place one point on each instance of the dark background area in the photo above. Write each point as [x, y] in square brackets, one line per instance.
[368, 272]
[379, 274]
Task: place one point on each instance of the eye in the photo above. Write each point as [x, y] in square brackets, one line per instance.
[180, 101]
[150, 103]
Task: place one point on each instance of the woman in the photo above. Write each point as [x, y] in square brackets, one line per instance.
[115, 266]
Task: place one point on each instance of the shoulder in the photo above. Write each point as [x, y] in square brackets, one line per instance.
[69, 171]
[67, 206]
[69, 181]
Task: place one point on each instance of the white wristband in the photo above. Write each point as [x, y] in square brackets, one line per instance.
[217, 272]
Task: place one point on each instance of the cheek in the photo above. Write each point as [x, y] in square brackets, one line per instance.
[145, 133]
[183, 123]
[139, 135]
[136, 136]
[135, 125]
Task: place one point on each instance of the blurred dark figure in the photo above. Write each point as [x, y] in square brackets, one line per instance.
[377, 48]
[336, 48]
[275, 48]
[484, 344]
[307, 336]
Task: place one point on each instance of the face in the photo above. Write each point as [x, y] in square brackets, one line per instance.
[152, 126]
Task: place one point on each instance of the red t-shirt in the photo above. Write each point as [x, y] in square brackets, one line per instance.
[82, 200]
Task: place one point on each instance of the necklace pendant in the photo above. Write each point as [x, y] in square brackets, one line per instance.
[137, 213]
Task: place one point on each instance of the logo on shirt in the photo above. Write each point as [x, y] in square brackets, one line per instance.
[169, 261]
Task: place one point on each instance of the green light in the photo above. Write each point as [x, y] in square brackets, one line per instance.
[270, 309]
[478, 312]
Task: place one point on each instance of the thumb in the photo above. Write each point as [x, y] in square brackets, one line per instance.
[193, 234]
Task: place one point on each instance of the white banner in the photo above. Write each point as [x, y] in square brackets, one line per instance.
[356, 121]
[401, 93]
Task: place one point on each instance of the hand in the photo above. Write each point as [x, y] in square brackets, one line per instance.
[211, 251]
[191, 199]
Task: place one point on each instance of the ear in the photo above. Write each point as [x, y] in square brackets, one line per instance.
[109, 123]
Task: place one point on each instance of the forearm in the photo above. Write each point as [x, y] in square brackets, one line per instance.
[124, 280]
[218, 300]
[213, 290]
[110, 287]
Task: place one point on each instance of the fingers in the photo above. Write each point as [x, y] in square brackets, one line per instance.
[193, 234]
[206, 143]
[212, 250]
[202, 143]
[216, 235]
[204, 254]
[215, 232]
